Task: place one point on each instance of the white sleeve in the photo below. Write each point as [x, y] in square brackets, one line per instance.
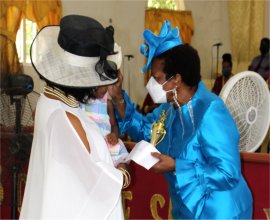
[73, 184]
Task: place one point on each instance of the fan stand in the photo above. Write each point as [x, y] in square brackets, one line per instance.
[15, 168]
[14, 204]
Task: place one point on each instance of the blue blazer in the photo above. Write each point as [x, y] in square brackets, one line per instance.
[203, 139]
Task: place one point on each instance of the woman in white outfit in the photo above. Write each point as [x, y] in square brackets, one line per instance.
[71, 173]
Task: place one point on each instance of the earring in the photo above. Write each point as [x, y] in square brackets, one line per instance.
[175, 93]
[175, 97]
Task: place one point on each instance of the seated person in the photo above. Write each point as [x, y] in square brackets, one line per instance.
[226, 73]
[260, 64]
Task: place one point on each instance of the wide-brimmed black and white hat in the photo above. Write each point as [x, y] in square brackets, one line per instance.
[79, 52]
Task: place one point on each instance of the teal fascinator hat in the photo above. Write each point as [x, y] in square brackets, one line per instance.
[156, 45]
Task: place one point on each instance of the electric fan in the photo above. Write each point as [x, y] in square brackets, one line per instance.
[18, 102]
[17, 113]
[246, 95]
[17, 105]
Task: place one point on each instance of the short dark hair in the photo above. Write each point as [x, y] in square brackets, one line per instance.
[227, 57]
[266, 41]
[184, 60]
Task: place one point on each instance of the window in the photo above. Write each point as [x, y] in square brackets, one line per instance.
[165, 4]
[25, 36]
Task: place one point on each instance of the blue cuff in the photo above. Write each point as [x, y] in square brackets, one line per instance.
[192, 185]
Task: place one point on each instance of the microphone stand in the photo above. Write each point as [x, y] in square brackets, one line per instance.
[129, 56]
[217, 45]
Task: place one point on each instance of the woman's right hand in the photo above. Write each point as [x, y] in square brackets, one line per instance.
[115, 90]
[165, 164]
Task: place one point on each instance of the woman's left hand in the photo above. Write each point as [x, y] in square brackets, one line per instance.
[126, 171]
[165, 164]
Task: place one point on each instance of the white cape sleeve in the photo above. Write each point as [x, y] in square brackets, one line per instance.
[64, 181]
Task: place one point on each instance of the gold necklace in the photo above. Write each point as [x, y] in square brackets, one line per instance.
[68, 100]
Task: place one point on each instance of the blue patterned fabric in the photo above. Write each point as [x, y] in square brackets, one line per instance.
[203, 139]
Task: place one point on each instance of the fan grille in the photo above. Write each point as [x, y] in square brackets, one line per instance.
[8, 112]
[248, 102]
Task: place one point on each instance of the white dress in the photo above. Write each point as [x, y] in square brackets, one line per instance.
[64, 181]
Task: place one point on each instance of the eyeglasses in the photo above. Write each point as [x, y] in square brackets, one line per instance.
[106, 69]
[166, 81]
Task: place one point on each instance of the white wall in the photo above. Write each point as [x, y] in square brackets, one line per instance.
[267, 18]
[211, 24]
[127, 16]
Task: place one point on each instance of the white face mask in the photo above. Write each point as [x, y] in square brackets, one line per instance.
[156, 91]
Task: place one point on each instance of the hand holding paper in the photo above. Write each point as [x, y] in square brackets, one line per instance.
[141, 154]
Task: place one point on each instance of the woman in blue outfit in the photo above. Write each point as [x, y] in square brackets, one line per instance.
[199, 154]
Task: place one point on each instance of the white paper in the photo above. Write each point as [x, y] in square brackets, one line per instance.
[141, 154]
